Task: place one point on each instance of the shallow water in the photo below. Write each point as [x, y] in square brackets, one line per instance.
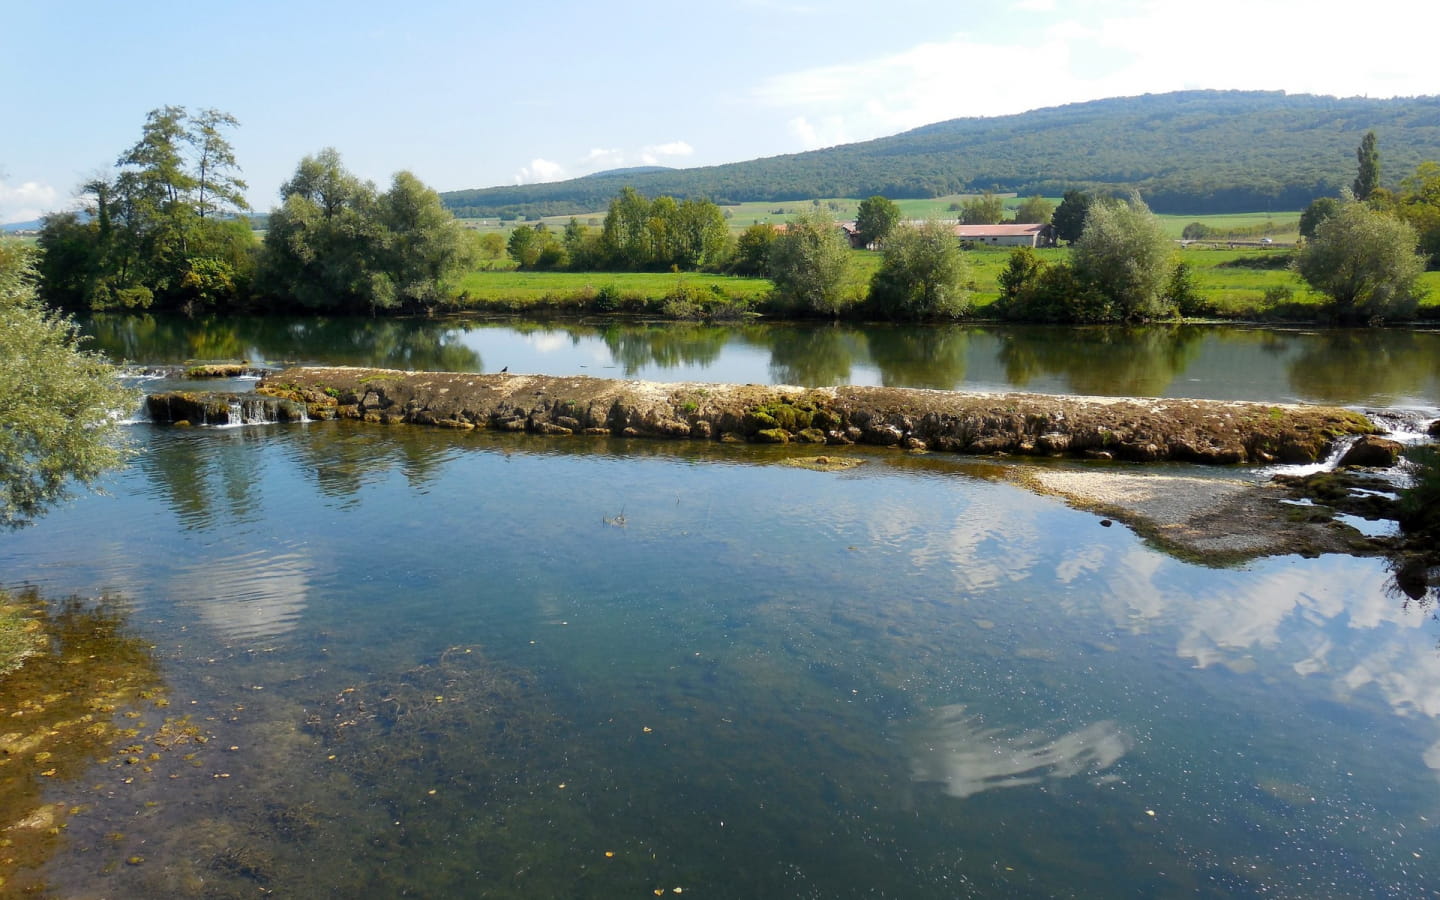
[433, 664]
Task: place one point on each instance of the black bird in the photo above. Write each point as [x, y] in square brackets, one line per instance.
[504, 370]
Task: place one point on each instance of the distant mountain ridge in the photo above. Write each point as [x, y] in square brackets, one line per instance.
[1186, 152]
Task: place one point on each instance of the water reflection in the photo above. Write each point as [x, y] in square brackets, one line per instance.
[420, 344]
[1363, 366]
[961, 752]
[815, 357]
[666, 346]
[1350, 366]
[923, 358]
[205, 488]
[1103, 360]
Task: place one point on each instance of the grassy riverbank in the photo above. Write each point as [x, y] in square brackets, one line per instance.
[1253, 284]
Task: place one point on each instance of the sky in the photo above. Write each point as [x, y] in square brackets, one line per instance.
[474, 93]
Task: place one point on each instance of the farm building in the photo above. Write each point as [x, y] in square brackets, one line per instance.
[1008, 235]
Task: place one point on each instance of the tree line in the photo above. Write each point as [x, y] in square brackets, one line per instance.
[168, 231]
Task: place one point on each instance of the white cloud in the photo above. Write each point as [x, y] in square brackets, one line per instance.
[674, 148]
[25, 201]
[812, 135]
[603, 158]
[540, 170]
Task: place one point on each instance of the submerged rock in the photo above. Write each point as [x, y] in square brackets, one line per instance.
[1129, 429]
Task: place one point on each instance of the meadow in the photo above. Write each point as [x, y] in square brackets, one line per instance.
[1238, 284]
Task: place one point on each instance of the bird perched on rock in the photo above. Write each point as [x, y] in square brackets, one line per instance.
[504, 370]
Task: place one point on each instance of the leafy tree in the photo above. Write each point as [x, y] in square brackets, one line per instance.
[810, 263]
[1124, 254]
[217, 186]
[424, 245]
[335, 244]
[1069, 218]
[876, 219]
[57, 401]
[1022, 271]
[1196, 231]
[642, 234]
[922, 276]
[581, 245]
[752, 251]
[1034, 210]
[1367, 177]
[1182, 292]
[1365, 262]
[152, 231]
[623, 238]
[491, 244]
[527, 244]
[1419, 204]
[1320, 209]
[987, 209]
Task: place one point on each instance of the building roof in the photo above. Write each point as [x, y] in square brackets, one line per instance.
[1006, 230]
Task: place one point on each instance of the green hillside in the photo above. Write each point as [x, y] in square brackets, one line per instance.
[1190, 152]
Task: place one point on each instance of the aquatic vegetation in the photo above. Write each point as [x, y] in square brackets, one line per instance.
[78, 694]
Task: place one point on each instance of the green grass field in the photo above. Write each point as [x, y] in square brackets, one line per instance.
[1264, 289]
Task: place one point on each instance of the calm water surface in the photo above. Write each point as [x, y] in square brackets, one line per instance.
[489, 665]
[1355, 367]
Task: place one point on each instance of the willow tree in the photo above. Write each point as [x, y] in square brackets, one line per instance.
[1125, 255]
[810, 264]
[58, 402]
[1365, 262]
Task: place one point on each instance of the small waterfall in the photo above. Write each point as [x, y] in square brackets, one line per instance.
[222, 410]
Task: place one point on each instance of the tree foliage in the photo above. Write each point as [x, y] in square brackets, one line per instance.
[58, 402]
[1367, 175]
[641, 234]
[810, 263]
[1034, 210]
[1366, 262]
[986, 209]
[876, 219]
[922, 276]
[335, 244]
[1125, 255]
[752, 251]
[1069, 217]
[1119, 270]
[1320, 209]
[162, 230]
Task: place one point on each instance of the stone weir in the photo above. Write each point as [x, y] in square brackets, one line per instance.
[981, 423]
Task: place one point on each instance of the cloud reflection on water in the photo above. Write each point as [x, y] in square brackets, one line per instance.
[960, 751]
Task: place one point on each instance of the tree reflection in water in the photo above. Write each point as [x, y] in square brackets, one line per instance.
[1102, 360]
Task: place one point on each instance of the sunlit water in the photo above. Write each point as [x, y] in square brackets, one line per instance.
[438, 664]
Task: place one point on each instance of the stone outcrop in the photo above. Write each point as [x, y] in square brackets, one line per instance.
[981, 423]
[1372, 452]
[218, 408]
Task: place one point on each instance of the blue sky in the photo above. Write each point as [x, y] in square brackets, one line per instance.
[474, 94]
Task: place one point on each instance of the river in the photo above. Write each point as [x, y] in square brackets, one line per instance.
[437, 664]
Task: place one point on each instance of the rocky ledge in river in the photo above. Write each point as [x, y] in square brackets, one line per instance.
[1133, 429]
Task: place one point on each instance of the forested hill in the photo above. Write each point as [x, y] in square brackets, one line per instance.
[1186, 152]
